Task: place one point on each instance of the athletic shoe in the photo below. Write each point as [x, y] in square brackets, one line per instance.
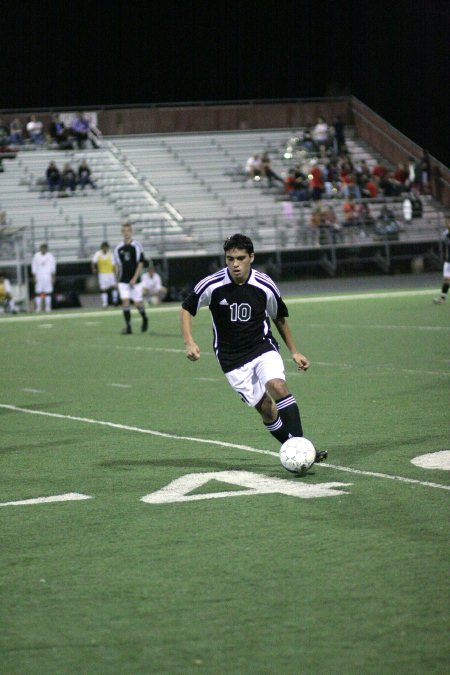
[321, 456]
[126, 331]
[144, 324]
[439, 301]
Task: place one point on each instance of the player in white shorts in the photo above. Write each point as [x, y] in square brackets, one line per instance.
[102, 264]
[446, 268]
[242, 301]
[129, 260]
[43, 268]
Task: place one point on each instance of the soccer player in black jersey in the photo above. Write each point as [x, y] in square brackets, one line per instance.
[129, 260]
[446, 269]
[242, 301]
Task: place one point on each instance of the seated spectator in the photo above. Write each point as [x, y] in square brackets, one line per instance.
[253, 167]
[84, 176]
[53, 176]
[35, 130]
[369, 188]
[59, 134]
[6, 298]
[68, 177]
[380, 170]
[332, 181]
[399, 178]
[301, 186]
[4, 134]
[289, 183]
[386, 225]
[16, 132]
[363, 217]
[307, 143]
[267, 171]
[349, 185]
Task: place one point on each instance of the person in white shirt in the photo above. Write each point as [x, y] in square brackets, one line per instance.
[152, 287]
[43, 268]
[35, 130]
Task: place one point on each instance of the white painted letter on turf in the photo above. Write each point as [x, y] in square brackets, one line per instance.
[256, 484]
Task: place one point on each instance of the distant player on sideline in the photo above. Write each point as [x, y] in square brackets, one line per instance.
[43, 268]
[102, 264]
[242, 301]
[446, 269]
[128, 259]
[152, 287]
[6, 299]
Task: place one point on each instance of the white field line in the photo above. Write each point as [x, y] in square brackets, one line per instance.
[223, 444]
[88, 314]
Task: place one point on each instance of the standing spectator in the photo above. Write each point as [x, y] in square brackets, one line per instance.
[82, 131]
[338, 135]
[68, 177]
[16, 132]
[6, 298]
[128, 260]
[43, 268]
[102, 264]
[242, 301]
[424, 173]
[446, 268]
[35, 130]
[53, 177]
[84, 176]
[316, 182]
[152, 287]
[321, 135]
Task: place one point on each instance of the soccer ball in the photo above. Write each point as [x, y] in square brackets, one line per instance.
[297, 455]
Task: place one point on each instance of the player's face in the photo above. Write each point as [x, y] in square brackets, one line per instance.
[127, 234]
[238, 262]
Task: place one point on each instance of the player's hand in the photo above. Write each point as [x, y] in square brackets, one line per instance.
[193, 351]
[301, 361]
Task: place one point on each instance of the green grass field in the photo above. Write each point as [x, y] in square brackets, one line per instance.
[224, 572]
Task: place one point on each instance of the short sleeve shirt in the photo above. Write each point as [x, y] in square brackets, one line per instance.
[240, 315]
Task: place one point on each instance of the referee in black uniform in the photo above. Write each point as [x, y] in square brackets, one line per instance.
[129, 260]
[242, 301]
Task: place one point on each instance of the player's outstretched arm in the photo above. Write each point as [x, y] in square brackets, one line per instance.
[284, 329]
[192, 348]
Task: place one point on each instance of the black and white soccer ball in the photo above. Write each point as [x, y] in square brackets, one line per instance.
[297, 455]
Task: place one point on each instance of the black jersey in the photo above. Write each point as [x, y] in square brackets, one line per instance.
[446, 242]
[240, 314]
[127, 257]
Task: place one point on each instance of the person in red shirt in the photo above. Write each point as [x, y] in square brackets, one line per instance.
[316, 181]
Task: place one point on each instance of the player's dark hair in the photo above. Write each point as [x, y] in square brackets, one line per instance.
[239, 241]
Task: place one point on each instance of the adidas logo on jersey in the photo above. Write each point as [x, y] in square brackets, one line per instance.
[223, 302]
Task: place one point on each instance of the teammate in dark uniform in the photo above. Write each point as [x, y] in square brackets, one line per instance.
[446, 269]
[129, 259]
[242, 301]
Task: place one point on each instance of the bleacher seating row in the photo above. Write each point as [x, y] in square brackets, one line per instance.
[181, 191]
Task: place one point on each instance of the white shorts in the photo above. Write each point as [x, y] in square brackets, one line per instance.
[43, 286]
[446, 270]
[128, 292]
[249, 381]
[106, 280]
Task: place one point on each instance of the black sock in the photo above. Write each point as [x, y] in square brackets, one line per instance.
[142, 312]
[277, 429]
[127, 316]
[444, 290]
[290, 415]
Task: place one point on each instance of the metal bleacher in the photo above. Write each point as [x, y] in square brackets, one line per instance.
[181, 191]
